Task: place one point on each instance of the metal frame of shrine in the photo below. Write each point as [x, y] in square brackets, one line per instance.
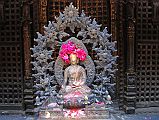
[134, 24]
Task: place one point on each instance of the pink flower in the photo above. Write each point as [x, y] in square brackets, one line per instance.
[81, 54]
[65, 57]
[70, 42]
[64, 46]
[70, 48]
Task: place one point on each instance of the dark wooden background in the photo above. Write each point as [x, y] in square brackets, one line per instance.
[134, 24]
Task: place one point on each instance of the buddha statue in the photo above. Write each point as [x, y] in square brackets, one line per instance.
[74, 83]
[74, 79]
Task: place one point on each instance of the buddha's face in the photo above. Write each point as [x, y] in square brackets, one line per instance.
[73, 59]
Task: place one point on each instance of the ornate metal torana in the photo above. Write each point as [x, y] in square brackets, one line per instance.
[48, 74]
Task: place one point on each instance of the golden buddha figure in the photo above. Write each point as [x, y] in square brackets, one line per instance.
[74, 79]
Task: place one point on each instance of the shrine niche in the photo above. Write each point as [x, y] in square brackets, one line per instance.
[60, 57]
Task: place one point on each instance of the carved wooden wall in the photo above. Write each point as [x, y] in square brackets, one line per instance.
[141, 44]
[56, 6]
[28, 83]
[42, 14]
[99, 9]
[11, 70]
[118, 26]
[147, 53]
[133, 23]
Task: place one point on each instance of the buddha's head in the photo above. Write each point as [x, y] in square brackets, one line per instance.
[74, 59]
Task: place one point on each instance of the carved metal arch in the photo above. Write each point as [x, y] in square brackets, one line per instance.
[90, 69]
[58, 68]
[88, 64]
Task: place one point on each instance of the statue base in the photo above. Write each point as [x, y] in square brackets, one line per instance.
[74, 103]
[95, 111]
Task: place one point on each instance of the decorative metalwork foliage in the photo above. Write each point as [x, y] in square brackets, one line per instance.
[147, 55]
[11, 75]
[89, 33]
[98, 9]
